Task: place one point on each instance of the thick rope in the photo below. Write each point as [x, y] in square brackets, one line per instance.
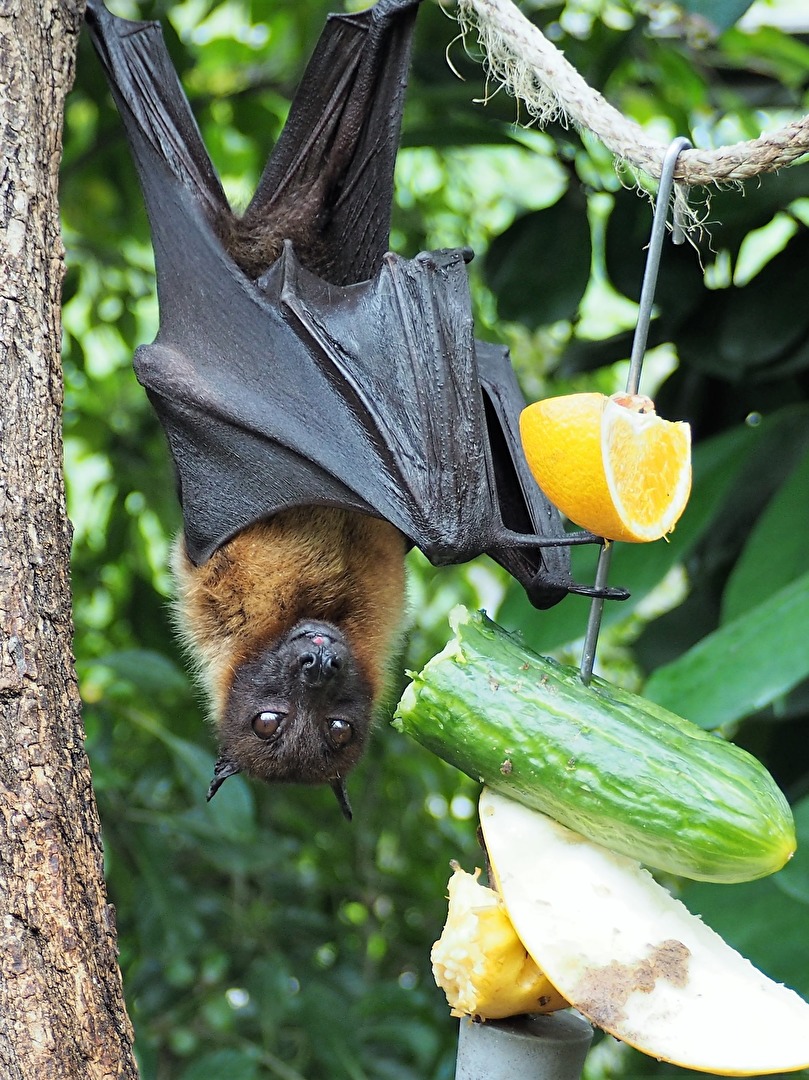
[537, 73]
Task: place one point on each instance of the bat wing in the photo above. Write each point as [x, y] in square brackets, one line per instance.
[544, 570]
[359, 386]
[335, 157]
[163, 135]
[329, 180]
[293, 391]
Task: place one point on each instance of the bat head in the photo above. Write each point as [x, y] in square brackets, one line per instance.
[298, 712]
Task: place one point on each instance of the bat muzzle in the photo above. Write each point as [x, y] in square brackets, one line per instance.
[317, 654]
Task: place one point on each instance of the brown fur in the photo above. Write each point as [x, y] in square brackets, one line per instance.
[256, 240]
[315, 563]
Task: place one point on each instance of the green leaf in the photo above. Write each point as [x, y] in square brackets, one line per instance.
[719, 14]
[230, 1063]
[761, 922]
[768, 316]
[680, 286]
[539, 267]
[234, 812]
[744, 331]
[733, 217]
[742, 667]
[775, 552]
[794, 878]
[151, 672]
[769, 50]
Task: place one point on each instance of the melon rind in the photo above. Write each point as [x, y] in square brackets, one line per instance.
[632, 958]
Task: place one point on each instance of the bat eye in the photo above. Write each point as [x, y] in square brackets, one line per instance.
[266, 724]
[340, 733]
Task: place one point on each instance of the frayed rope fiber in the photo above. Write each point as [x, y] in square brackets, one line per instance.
[533, 70]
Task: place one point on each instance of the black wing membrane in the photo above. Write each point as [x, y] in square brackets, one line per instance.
[343, 376]
[366, 397]
[329, 179]
[335, 157]
[163, 135]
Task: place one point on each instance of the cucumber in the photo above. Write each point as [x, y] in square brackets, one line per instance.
[610, 765]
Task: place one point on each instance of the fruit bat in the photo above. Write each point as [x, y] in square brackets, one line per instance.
[325, 402]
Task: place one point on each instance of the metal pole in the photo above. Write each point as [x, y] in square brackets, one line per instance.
[524, 1048]
[647, 295]
[652, 269]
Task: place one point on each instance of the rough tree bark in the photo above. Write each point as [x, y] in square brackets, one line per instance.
[62, 1013]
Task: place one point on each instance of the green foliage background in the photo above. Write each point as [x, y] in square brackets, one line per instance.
[261, 936]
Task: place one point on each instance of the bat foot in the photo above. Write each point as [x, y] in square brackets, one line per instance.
[607, 593]
[223, 768]
[582, 537]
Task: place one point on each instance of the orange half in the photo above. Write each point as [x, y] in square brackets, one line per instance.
[611, 465]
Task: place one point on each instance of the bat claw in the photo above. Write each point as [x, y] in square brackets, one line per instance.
[608, 593]
[339, 788]
[223, 768]
[583, 537]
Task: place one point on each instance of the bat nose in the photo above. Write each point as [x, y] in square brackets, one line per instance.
[319, 655]
[320, 662]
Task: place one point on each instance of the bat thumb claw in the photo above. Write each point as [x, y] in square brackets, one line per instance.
[339, 788]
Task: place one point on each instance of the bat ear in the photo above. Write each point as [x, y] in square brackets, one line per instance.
[223, 768]
[339, 788]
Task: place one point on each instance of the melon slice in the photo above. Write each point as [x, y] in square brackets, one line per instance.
[633, 959]
[480, 963]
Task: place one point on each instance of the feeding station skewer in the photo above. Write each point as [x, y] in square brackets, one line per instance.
[554, 1047]
[650, 275]
[550, 1047]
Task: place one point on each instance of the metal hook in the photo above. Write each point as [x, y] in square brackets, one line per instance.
[651, 272]
[647, 293]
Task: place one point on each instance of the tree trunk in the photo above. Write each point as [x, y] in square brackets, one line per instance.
[62, 1012]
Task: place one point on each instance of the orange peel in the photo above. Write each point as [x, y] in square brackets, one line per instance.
[610, 464]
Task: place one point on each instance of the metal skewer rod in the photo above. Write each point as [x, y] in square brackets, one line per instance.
[647, 294]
